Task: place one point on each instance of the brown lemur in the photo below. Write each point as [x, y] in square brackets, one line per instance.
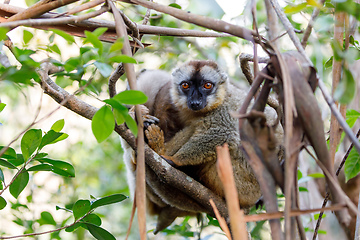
[193, 107]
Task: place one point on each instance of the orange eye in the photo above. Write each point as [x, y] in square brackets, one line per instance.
[208, 85]
[185, 85]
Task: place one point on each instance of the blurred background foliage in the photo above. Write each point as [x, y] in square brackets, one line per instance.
[99, 167]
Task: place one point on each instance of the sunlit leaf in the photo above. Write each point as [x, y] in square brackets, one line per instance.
[58, 125]
[352, 165]
[99, 233]
[2, 106]
[27, 36]
[99, 31]
[30, 142]
[70, 39]
[19, 184]
[122, 59]
[3, 32]
[115, 198]
[351, 117]
[316, 175]
[2, 203]
[103, 123]
[117, 45]
[94, 40]
[295, 9]
[174, 5]
[329, 62]
[132, 97]
[80, 208]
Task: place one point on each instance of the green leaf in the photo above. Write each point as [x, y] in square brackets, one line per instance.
[40, 167]
[329, 62]
[80, 208]
[351, 117]
[303, 189]
[115, 198]
[93, 218]
[99, 31]
[119, 110]
[295, 9]
[19, 184]
[49, 138]
[60, 167]
[103, 123]
[93, 39]
[7, 164]
[346, 89]
[3, 32]
[2, 203]
[352, 165]
[131, 124]
[132, 97]
[117, 45]
[58, 125]
[27, 36]
[122, 59]
[2, 106]
[316, 175]
[175, 5]
[18, 161]
[104, 68]
[9, 153]
[30, 142]
[73, 227]
[99, 233]
[70, 39]
[46, 218]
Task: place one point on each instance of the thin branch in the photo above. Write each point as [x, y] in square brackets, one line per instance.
[215, 24]
[140, 159]
[309, 27]
[56, 21]
[221, 220]
[84, 6]
[40, 8]
[50, 231]
[225, 172]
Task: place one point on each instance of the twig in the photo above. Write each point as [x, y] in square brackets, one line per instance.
[84, 6]
[203, 21]
[50, 231]
[221, 220]
[39, 8]
[309, 27]
[224, 168]
[272, 26]
[293, 213]
[140, 159]
[56, 21]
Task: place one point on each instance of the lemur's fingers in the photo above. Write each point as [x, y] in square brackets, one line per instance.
[155, 138]
[149, 120]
